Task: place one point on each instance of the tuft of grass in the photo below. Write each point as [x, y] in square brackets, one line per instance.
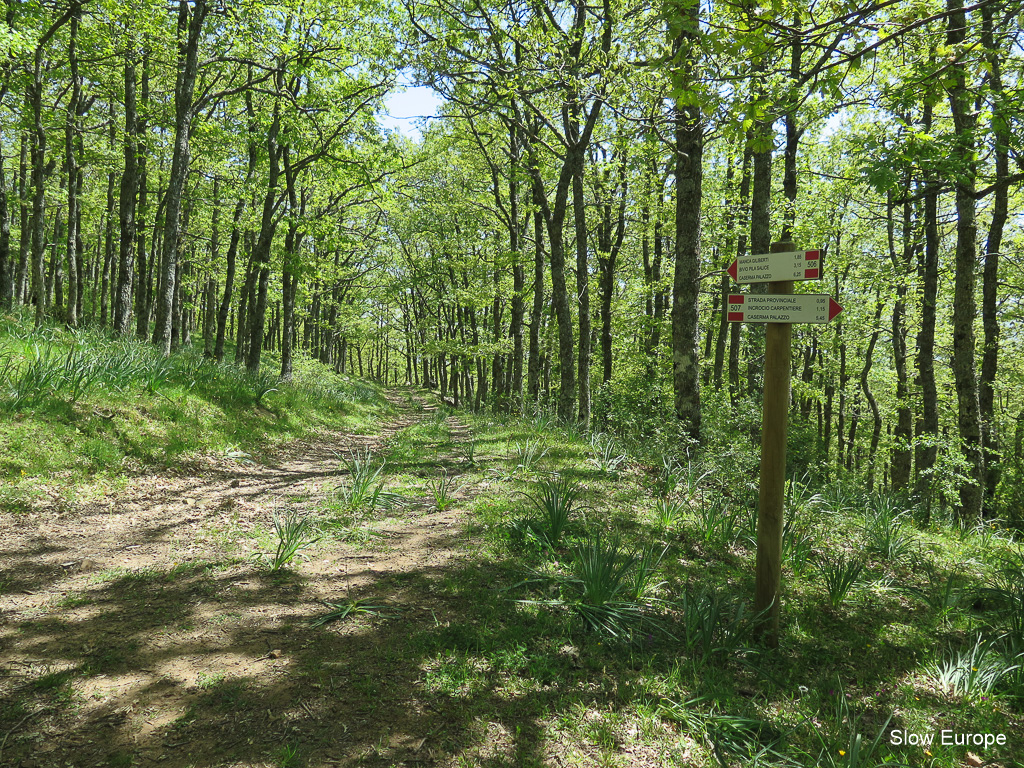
[667, 513]
[715, 524]
[443, 490]
[340, 611]
[293, 535]
[556, 500]
[973, 672]
[365, 489]
[528, 454]
[840, 575]
[885, 531]
[605, 454]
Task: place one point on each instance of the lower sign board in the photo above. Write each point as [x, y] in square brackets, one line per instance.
[782, 308]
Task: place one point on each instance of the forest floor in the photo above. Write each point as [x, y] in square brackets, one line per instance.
[141, 629]
[144, 625]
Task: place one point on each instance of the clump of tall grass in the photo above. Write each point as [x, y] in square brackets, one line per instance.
[557, 499]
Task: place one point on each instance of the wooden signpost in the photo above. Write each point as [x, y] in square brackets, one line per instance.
[779, 309]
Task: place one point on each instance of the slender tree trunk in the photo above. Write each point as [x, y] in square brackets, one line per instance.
[38, 223]
[129, 192]
[190, 26]
[965, 372]
[876, 415]
[21, 280]
[262, 252]
[990, 275]
[582, 291]
[928, 430]
[533, 366]
[6, 264]
[903, 435]
[71, 129]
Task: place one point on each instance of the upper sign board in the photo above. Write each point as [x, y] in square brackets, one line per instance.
[772, 267]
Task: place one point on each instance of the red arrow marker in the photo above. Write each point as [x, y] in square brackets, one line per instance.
[733, 271]
[833, 308]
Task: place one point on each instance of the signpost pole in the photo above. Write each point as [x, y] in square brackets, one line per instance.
[772, 489]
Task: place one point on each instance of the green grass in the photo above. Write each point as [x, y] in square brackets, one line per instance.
[627, 639]
[78, 411]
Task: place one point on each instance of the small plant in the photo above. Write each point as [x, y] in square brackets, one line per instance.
[556, 500]
[443, 490]
[853, 750]
[292, 537]
[471, 450]
[288, 756]
[1006, 592]
[942, 593]
[973, 672]
[609, 587]
[607, 603]
[260, 384]
[365, 490]
[716, 524]
[669, 476]
[799, 498]
[797, 548]
[667, 513]
[885, 530]
[528, 454]
[840, 576]
[714, 623]
[605, 456]
[340, 611]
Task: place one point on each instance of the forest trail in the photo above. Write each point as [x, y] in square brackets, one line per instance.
[143, 627]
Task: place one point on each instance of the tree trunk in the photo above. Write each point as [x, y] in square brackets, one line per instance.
[990, 275]
[190, 28]
[928, 430]
[964, 303]
[129, 192]
[533, 366]
[71, 129]
[689, 150]
[903, 435]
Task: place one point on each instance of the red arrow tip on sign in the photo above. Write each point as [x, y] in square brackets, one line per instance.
[833, 308]
[733, 270]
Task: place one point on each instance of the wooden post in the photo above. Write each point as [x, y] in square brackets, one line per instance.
[772, 489]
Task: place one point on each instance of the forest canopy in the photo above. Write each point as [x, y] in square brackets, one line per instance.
[216, 174]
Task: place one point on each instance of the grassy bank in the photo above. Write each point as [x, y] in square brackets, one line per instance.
[80, 411]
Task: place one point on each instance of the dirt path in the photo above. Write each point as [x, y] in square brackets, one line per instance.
[141, 631]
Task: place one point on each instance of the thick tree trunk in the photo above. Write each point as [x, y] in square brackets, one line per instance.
[689, 150]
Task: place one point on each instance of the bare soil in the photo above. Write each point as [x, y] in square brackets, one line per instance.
[142, 631]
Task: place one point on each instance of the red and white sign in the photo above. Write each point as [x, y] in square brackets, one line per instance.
[782, 308]
[771, 267]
